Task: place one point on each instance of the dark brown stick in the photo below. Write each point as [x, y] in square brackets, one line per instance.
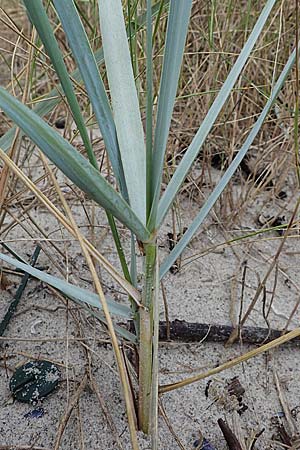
[230, 437]
[182, 331]
[196, 332]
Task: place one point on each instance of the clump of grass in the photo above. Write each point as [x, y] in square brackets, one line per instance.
[202, 124]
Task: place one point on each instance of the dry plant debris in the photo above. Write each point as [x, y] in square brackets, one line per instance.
[265, 187]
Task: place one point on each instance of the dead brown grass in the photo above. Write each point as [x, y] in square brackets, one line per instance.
[209, 55]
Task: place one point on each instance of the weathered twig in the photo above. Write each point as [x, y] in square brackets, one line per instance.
[68, 413]
[182, 331]
[230, 437]
[106, 412]
[169, 425]
[292, 428]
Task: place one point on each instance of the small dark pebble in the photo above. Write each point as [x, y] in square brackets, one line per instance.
[34, 381]
[207, 388]
[243, 408]
[272, 222]
[282, 195]
[60, 123]
[206, 445]
[35, 413]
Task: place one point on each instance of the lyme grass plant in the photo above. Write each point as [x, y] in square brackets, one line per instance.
[136, 158]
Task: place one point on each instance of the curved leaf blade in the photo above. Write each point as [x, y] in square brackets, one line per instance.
[196, 144]
[87, 66]
[177, 28]
[125, 103]
[41, 22]
[71, 163]
[68, 289]
[204, 211]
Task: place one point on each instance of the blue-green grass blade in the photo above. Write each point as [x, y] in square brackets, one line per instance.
[119, 330]
[125, 103]
[207, 124]
[149, 107]
[53, 98]
[178, 21]
[84, 57]
[41, 22]
[71, 163]
[100, 316]
[88, 67]
[68, 289]
[204, 211]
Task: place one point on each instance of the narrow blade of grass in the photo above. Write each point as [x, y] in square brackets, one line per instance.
[227, 365]
[119, 330]
[46, 105]
[41, 22]
[86, 62]
[195, 146]
[178, 22]
[68, 289]
[125, 103]
[204, 211]
[149, 108]
[71, 163]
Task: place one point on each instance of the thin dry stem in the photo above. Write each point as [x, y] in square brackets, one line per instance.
[60, 217]
[67, 415]
[115, 343]
[227, 365]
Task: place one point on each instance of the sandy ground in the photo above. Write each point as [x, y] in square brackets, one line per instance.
[207, 289]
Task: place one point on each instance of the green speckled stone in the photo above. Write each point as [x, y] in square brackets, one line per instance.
[34, 380]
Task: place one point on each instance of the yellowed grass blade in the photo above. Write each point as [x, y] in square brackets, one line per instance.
[134, 293]
[114, 340]
[257, 351]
